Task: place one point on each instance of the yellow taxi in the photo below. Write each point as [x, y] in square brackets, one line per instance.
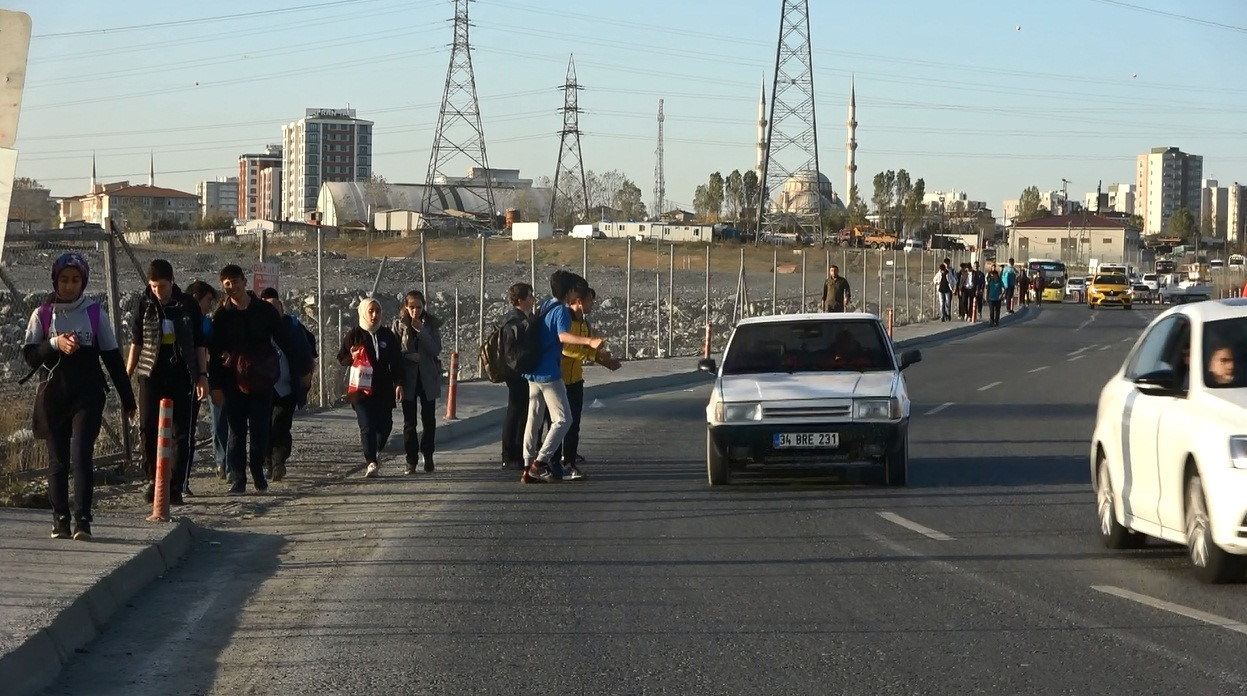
[1109, 290]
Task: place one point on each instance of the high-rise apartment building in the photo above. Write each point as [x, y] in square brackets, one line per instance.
[1214, 208]
[1166, 179]
[324, 145]
[1117, 198]
[219, 197]
[1236, 213]
[252, 203]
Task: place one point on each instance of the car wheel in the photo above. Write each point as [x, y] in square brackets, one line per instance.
[1112, 533]
[896, 466]
[716, 464]
[1212, 563]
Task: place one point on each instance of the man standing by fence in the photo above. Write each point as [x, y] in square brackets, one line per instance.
[837, 294]
[168, 351]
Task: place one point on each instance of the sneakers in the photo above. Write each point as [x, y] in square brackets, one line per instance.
[82, 530]
[410, 470]
[574, 473]
[556, 471]
[372, 470]
[536, 473]
[239, 488]
[428, 465]
[175, 498]
[279, 472]
[149, 493]
[60, 527]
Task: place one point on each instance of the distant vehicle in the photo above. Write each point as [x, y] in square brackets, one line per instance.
[912, 245]
[1238, 260]
[1216, 264]
[1109, 290]
[587, 232]
[1076, 288]
[1181, 288]
[1054, 276]
[809, 390]
[1152, 280]
[1164, 266]
[943, 241]
[1143, 294]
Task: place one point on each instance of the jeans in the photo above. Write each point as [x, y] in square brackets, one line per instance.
[1009, 297]
[413, 444]
[151, 391]
[220, 434]
[946, 305]
[513, 424]
[567, 452]
[550, 395]
[376, 420]
[280, 441]
[71, 445]
[248, 414]
[995, 311]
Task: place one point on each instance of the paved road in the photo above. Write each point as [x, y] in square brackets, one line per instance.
[979, 578]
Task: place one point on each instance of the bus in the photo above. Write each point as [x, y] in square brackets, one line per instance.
[1054, 276]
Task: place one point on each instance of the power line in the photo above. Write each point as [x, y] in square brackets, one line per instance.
[201, 20]
[1174, 15]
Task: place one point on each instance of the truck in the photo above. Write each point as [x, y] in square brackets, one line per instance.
[1182, 287]
[524, 231]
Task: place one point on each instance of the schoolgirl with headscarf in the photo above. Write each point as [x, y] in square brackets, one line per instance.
[375, 411]
[67, 338]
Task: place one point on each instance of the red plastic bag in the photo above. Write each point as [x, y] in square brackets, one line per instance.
[359, 377]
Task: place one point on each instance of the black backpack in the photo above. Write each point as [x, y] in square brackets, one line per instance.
[520, 342]
[492, 365]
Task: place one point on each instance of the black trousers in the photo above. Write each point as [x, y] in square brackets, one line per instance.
[151, 391]
[250, 421]
[280, 442]
[413, 444]
[963, 304]
[995, 316]
[376, 420]
[71, 445]
[567, 451]
[514, 425]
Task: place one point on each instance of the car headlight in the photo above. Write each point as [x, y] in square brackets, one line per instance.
[747, 411]
[1238, 451]
[876, 409]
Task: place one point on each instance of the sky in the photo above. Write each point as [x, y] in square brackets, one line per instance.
[981, 96]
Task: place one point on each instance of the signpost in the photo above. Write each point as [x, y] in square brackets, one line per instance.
[266, 275]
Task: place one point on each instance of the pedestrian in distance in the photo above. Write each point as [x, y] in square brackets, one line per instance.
[1009, 276]
[545, 382]
[837, 293]
[944, 284]
[980, 290]
[1024, 287]
[572, 366]
[67, 338]
[965, 291]
[290, 391]
[170, 356]
[374, 411]
[514, 424]
[995, 295]
[243, 367]
[420, 341]
[206, 296]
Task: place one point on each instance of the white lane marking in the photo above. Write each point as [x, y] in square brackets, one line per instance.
[1038, 369]
[1127, 339]
[1221, 621]
[1083, 350]
[1107, 347]
[914, 526]
[1086, 323]
[990, 386]
[939, 408]
[1076, 357]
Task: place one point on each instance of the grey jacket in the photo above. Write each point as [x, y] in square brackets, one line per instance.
[424, 349]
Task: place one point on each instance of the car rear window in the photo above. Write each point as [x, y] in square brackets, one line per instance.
[1110, 280]
[809, 346]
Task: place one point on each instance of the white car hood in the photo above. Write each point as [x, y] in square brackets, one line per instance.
[781, 386]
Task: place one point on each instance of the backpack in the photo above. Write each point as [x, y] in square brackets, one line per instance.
[492, 365]
[521, 342]
[93, 315]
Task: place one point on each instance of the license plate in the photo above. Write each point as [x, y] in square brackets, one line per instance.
[804, 440]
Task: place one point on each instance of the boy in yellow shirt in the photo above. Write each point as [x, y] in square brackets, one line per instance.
[572, 365]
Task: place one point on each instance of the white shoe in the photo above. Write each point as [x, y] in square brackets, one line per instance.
[372, 470]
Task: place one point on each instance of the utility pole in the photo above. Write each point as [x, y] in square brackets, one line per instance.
[1065, 196]
[570, 168]
[660, 176]
[459, 135]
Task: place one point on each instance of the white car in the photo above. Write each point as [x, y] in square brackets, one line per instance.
[809, 390]
[1169, 454]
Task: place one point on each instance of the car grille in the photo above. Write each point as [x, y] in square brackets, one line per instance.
[820, 411]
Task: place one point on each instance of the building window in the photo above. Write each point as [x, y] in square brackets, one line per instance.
[1108, 240]
[1052, 240]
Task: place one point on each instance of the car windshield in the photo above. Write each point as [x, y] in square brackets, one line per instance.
[1110, 280]
[1225, 349]
[809, 346]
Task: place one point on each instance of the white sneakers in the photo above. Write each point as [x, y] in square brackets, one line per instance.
[372, 470]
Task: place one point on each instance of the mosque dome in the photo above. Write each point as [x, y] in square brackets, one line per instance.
[800, 195]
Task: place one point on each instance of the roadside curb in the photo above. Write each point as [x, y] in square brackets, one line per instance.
[963, 331]
[35, 664]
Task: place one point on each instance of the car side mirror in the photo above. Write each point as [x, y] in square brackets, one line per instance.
[707, 365]
[910, 357]
[1162, 382]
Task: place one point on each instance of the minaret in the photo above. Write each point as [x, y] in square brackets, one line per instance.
[761, 159]
[851, 146]
[151, 169]
[92, 189]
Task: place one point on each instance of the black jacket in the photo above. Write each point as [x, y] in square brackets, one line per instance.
[183, 310]
[250, 331]
[387, 368]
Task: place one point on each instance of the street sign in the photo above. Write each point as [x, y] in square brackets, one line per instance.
[266, 275]
[14, 47]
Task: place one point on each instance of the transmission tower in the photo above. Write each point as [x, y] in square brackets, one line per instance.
[791, 192]
[569, 172]
[459, 136]
[660, 175]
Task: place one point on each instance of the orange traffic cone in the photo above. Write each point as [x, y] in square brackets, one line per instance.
[164, 462]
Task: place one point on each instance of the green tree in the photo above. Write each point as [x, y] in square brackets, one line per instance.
[714, 189]
[749, 189]
[857, 210]
[914, 209]
[904, 187]
[376, 192]
[734, 194]
[885, 193]
[1206, 227]
[628, 200]
[701, 202]
[1029, 204]
[1182, 225]
[1136, 222]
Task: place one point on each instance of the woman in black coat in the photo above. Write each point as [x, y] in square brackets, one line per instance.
[375, 412]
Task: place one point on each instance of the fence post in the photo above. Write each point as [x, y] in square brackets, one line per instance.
[670, 301]
[628, 304]
[532, 263]
[452, 389]
[893, 280]
[585, 257]
[707, 298]
[803, 283]
[114, 315]
[480, 320]
[774, 279]
[657, 310]
[320, 310]
[424, 268]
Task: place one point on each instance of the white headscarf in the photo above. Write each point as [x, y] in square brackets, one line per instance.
[364, 322]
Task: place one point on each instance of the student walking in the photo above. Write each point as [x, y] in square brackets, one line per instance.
[206, 296]
[374, 410]
[944, 284]
[995, 293]
[1009, 276]
[837, 293]
[572, 366]
[67, 337]
[170, 356]
[980, 289]
[243, 367]
[420, 341]
[514, 422]
[290, 391]
[545, 382]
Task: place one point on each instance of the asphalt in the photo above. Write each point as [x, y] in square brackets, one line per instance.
[60, 596]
